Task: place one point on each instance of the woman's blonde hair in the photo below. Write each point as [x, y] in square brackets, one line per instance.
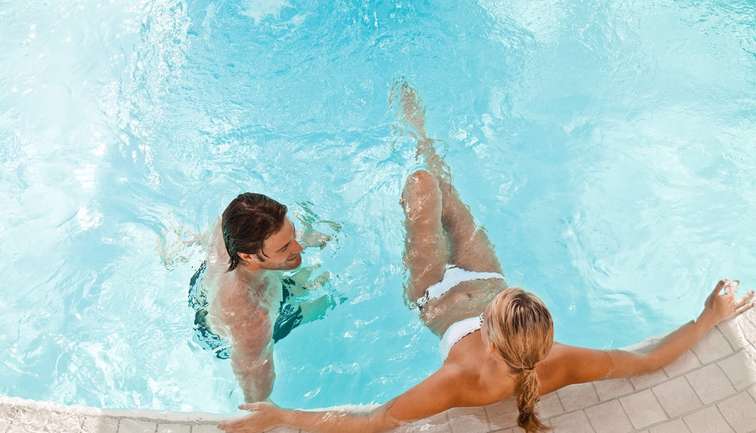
[520, 328]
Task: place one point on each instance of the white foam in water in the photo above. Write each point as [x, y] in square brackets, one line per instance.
[259, 9]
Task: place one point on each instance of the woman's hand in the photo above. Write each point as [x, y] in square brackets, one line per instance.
[264, 417]
[721, 304]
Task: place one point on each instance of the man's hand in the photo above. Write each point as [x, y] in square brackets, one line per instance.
[264, 416]
[314, 238]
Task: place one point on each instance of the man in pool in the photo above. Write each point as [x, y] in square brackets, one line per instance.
[243, 297]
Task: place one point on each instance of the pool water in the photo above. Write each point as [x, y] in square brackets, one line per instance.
[608, 147]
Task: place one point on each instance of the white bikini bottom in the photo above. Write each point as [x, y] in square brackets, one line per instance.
[453, 276]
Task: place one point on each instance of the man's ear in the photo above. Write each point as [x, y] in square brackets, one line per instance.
[248, 258]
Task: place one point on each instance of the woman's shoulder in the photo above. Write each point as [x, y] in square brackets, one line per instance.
[474, 386]
[566, 365]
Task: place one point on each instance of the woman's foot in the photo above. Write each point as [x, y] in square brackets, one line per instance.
[413, 113]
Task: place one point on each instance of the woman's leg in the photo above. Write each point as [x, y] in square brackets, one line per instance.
[470, 247]
[426, 248]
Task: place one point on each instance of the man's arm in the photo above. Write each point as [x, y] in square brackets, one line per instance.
[312, 309]
[254, 370]
[252, 346]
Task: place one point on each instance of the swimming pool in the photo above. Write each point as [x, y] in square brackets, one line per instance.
[608, 147]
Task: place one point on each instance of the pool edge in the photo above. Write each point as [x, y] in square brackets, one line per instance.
[709, 388]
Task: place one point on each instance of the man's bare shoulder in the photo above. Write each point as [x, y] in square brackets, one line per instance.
[235, 313]
[217, 246]
[233, 293]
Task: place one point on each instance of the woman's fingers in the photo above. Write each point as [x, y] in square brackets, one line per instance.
[240, 425]
[718, 287]
[231, 426]
[746, 299]
[732, 286]
[743, 305]
[743, 309]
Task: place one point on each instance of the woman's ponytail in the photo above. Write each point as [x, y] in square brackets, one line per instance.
[527, 397]
[520, 328]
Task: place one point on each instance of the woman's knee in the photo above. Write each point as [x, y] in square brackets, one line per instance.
[421, 196]
[422, 177]
[420, 183]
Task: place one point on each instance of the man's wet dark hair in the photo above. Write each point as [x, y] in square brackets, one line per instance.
[248, 220]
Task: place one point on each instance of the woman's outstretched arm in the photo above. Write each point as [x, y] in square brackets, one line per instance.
[435, 394]
[584, 365]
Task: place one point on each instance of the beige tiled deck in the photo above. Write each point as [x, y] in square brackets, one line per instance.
[710, 389]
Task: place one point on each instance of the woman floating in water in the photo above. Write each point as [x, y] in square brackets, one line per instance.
[498, 341]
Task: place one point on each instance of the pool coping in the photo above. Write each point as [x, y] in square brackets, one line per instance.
[710, 389]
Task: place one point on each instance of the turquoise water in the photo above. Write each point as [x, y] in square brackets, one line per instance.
[609, 148]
